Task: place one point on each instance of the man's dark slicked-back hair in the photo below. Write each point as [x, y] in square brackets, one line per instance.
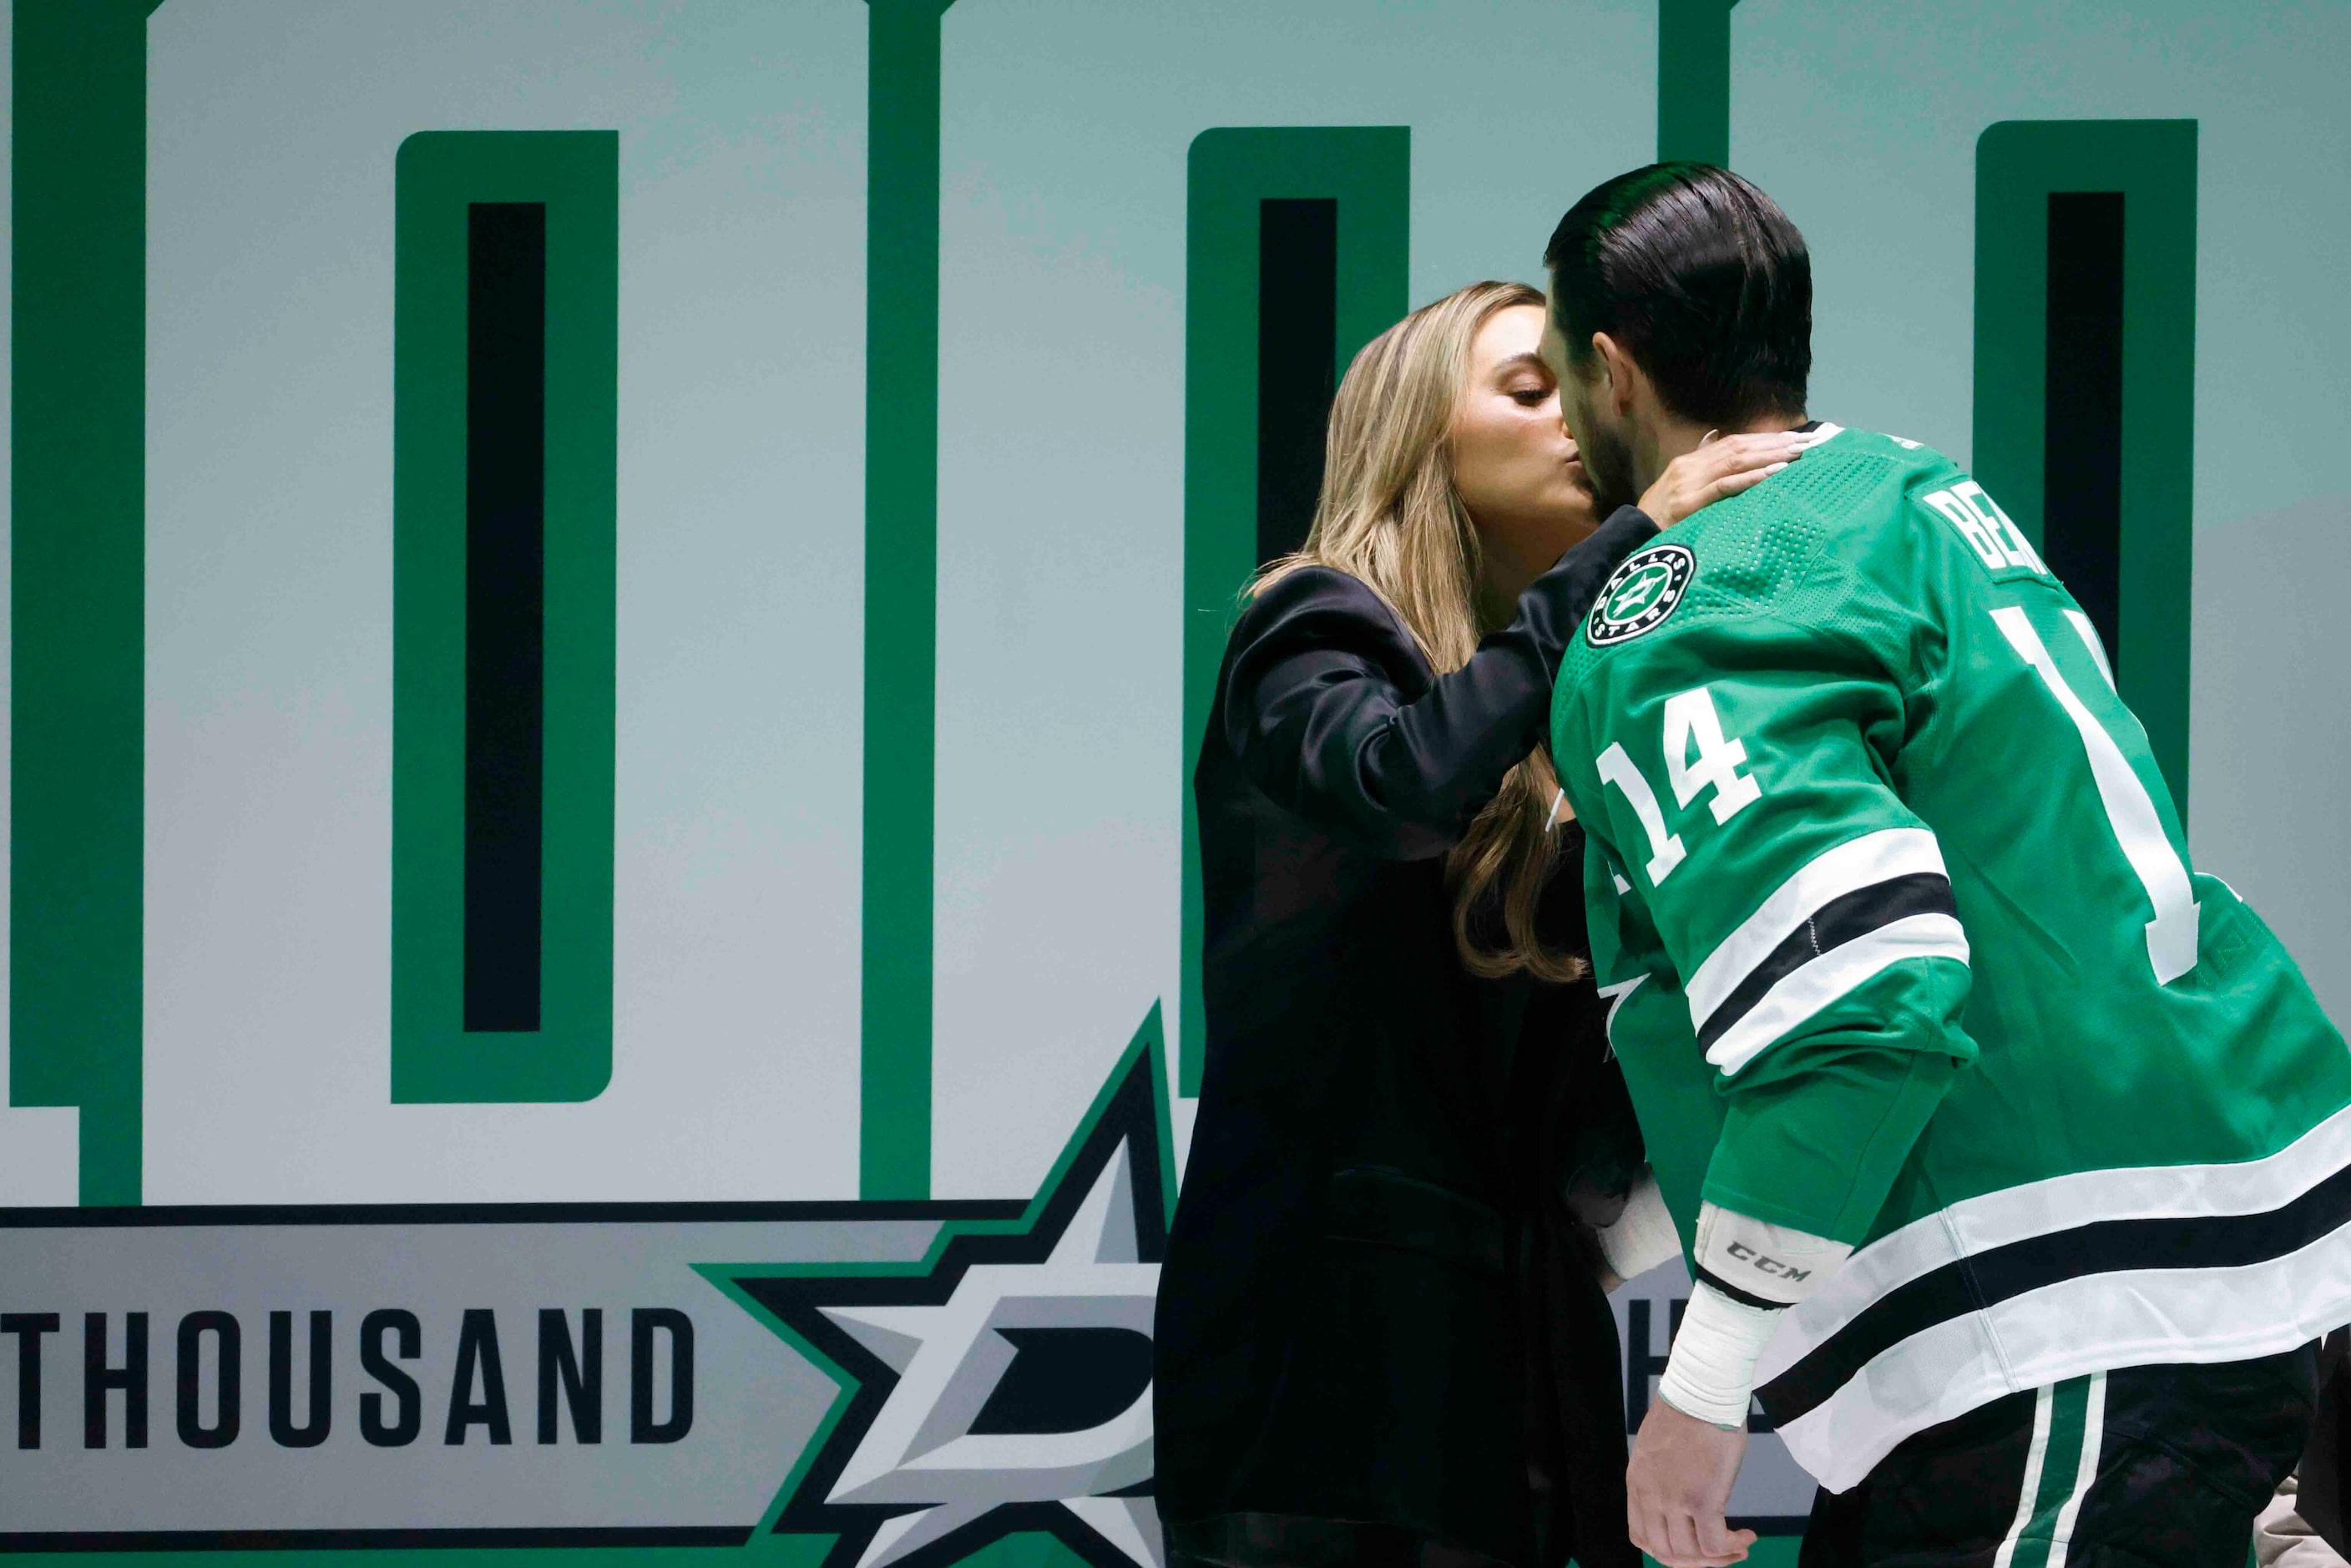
[1702, 279]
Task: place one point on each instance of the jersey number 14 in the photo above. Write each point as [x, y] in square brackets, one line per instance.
[1690, 717]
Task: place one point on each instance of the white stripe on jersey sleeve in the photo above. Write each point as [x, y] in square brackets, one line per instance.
[1855, 864]
[1829, 977]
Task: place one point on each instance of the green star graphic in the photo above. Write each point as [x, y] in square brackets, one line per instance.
[1640, 591]
[1002, 1383]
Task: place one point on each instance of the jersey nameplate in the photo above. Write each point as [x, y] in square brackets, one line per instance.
[1641, 593]
[1995, 538]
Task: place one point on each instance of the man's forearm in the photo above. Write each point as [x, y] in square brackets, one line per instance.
[1748, 1274]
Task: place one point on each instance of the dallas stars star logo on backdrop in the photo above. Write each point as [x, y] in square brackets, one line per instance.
[1004, 1383]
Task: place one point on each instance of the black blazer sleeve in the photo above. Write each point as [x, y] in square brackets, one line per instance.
[1330, 709]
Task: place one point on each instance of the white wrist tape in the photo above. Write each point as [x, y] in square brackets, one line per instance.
[1643, 1236]
[1763, 1265]
[1711, 1372]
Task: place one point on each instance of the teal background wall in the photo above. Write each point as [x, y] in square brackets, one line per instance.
[740, 825]
[742, 264]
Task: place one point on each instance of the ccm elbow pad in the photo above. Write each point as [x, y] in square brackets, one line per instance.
[1761, 1265]
[1749, 1273]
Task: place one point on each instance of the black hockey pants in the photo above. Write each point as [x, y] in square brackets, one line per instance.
[2147, 1467]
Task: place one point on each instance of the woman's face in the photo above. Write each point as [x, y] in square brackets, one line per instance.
[1514, 463]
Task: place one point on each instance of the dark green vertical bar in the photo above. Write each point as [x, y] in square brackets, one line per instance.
[77, 592]
[1297, 334]
[2082, 470]
[1367, 170]
[2152, 164]
[902, 577]
[1694, 81]
[439, 176]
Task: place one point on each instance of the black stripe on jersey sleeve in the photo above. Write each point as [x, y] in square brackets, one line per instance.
[2105, 1246]
[1744, 1297]
[1844, 918]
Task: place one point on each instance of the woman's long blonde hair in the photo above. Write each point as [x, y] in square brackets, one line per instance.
[1391, 515]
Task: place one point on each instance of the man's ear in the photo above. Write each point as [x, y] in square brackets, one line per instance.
[1622, 375]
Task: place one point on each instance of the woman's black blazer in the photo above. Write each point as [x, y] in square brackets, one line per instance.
[1374, 1338]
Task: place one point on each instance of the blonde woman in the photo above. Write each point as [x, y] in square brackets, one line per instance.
[1378, 1337]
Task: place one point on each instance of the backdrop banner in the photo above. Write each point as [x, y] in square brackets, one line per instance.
[913, 1378]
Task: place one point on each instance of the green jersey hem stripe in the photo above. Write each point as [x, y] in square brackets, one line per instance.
[2064, 1463]
[2086, 1468]
[2028, 1495]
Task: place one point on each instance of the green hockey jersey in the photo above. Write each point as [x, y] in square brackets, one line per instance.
[1896, 921]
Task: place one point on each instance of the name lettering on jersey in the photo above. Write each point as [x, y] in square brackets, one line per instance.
[1990, 531]
[1640, 594]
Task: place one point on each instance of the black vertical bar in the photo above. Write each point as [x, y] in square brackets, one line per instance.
[1297, 341]
[2082, 507]
[1641, 1363]
[505, 592]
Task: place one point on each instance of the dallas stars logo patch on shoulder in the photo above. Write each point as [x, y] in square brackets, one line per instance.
[1641, 593]
[1004, 1383]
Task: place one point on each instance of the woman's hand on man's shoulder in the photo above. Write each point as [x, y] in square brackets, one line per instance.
[1717, 470]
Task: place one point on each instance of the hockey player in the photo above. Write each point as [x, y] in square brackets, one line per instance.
[2014, 1153]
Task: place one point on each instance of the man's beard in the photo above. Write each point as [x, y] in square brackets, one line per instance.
[1608, 463]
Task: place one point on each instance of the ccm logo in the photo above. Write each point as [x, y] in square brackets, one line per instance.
[1771, 1266]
